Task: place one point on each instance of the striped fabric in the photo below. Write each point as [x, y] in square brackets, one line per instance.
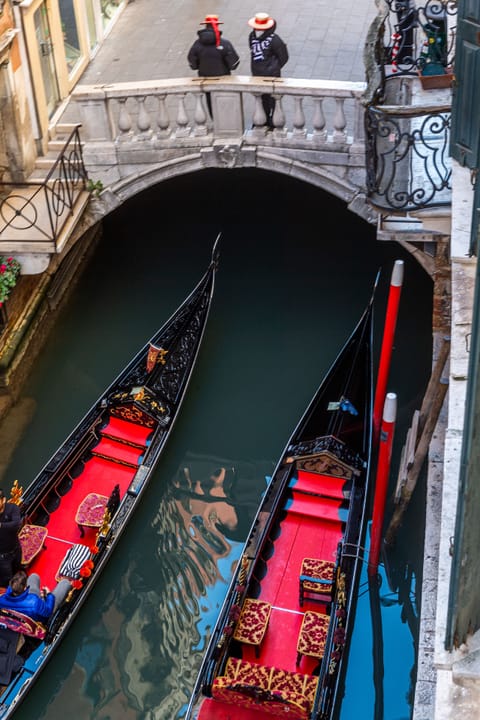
[73, 561]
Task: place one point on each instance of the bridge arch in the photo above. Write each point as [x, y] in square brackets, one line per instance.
[232, 157]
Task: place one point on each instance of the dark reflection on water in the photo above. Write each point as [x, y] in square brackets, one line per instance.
[296, 270]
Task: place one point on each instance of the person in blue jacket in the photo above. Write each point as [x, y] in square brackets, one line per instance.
[24, 595]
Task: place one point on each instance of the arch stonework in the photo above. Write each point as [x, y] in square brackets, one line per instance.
[333, 179]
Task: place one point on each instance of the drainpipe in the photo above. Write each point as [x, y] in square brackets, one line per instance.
[26, 63]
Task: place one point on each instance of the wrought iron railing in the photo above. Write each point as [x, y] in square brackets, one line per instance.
[408, 163]
[36, 211]
[418, 38]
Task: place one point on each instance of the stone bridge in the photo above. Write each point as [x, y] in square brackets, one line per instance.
[136, 135]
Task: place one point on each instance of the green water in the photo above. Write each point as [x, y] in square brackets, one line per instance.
[296, 270]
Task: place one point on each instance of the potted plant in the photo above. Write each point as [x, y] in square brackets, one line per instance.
[433, 68]
[9, 272]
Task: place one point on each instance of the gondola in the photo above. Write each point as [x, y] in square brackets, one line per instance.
[76, 509]
[280, 645]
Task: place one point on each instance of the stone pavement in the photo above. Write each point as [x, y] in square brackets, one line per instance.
[151, 39]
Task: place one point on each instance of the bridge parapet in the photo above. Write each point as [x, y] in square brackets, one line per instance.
[137, 134]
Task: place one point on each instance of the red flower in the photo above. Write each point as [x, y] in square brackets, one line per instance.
[94, 549]
[3, 268]
[77, 584]
[85, 572]
[89, 564]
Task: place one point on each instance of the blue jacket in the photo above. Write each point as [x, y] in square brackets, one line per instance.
[29, 604]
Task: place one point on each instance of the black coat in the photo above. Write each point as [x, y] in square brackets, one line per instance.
[210, 60]
[268, 53]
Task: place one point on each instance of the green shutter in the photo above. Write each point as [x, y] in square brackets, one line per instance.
[465, 143]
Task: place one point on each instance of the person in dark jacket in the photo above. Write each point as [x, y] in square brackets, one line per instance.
[268, 54]
[10, 549]
[211, 54]
[24, 595]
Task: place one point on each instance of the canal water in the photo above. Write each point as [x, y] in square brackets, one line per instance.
[296, 270]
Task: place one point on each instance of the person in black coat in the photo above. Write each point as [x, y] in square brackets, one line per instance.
[10, 549]
[268, 55]
[211, 54]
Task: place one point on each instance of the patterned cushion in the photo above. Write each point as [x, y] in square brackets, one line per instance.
[313, 634]
[241, 671]
[31, 539]
[253, 621]
[91, 510]
[277, 691]
[18, 622]
[316, 575]
[310, 687]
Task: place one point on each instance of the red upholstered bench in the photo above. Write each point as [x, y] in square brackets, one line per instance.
[277, 691]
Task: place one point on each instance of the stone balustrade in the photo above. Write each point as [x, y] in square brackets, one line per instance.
[135, 135]
[308, 112]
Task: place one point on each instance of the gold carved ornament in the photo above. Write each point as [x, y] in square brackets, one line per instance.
[105, 526]
[16, 493]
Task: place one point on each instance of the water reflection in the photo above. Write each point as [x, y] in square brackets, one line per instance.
[157, 622]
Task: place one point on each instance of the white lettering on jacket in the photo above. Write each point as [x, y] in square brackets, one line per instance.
[259, 46]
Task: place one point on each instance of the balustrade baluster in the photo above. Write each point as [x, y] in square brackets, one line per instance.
[124, 121]
[163, 120]
[298, 117]
[320, 133]
[259, 117]
[182, 117]
[279, 115]
[200, 116]
[143, 120]
[339, 121]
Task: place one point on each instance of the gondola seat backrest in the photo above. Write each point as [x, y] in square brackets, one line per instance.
[278, 691]
[18, 622]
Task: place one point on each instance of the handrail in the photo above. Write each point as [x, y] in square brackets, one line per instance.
[408, 162]
[21, 210]
[173, 111]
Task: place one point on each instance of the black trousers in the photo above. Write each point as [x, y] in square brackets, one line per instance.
[10, 563]
[268, 102]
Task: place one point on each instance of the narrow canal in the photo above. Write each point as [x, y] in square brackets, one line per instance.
[296, 270]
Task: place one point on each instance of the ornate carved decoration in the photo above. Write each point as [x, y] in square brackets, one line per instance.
[228, 154]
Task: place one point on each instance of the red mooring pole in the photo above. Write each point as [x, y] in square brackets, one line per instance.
[396, 283]
[381, 483]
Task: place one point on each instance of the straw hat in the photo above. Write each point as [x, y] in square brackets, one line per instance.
[261, 21]
[214, 22]
[211, 20]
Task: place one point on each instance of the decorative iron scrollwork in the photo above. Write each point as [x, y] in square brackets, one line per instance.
[408, 163]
